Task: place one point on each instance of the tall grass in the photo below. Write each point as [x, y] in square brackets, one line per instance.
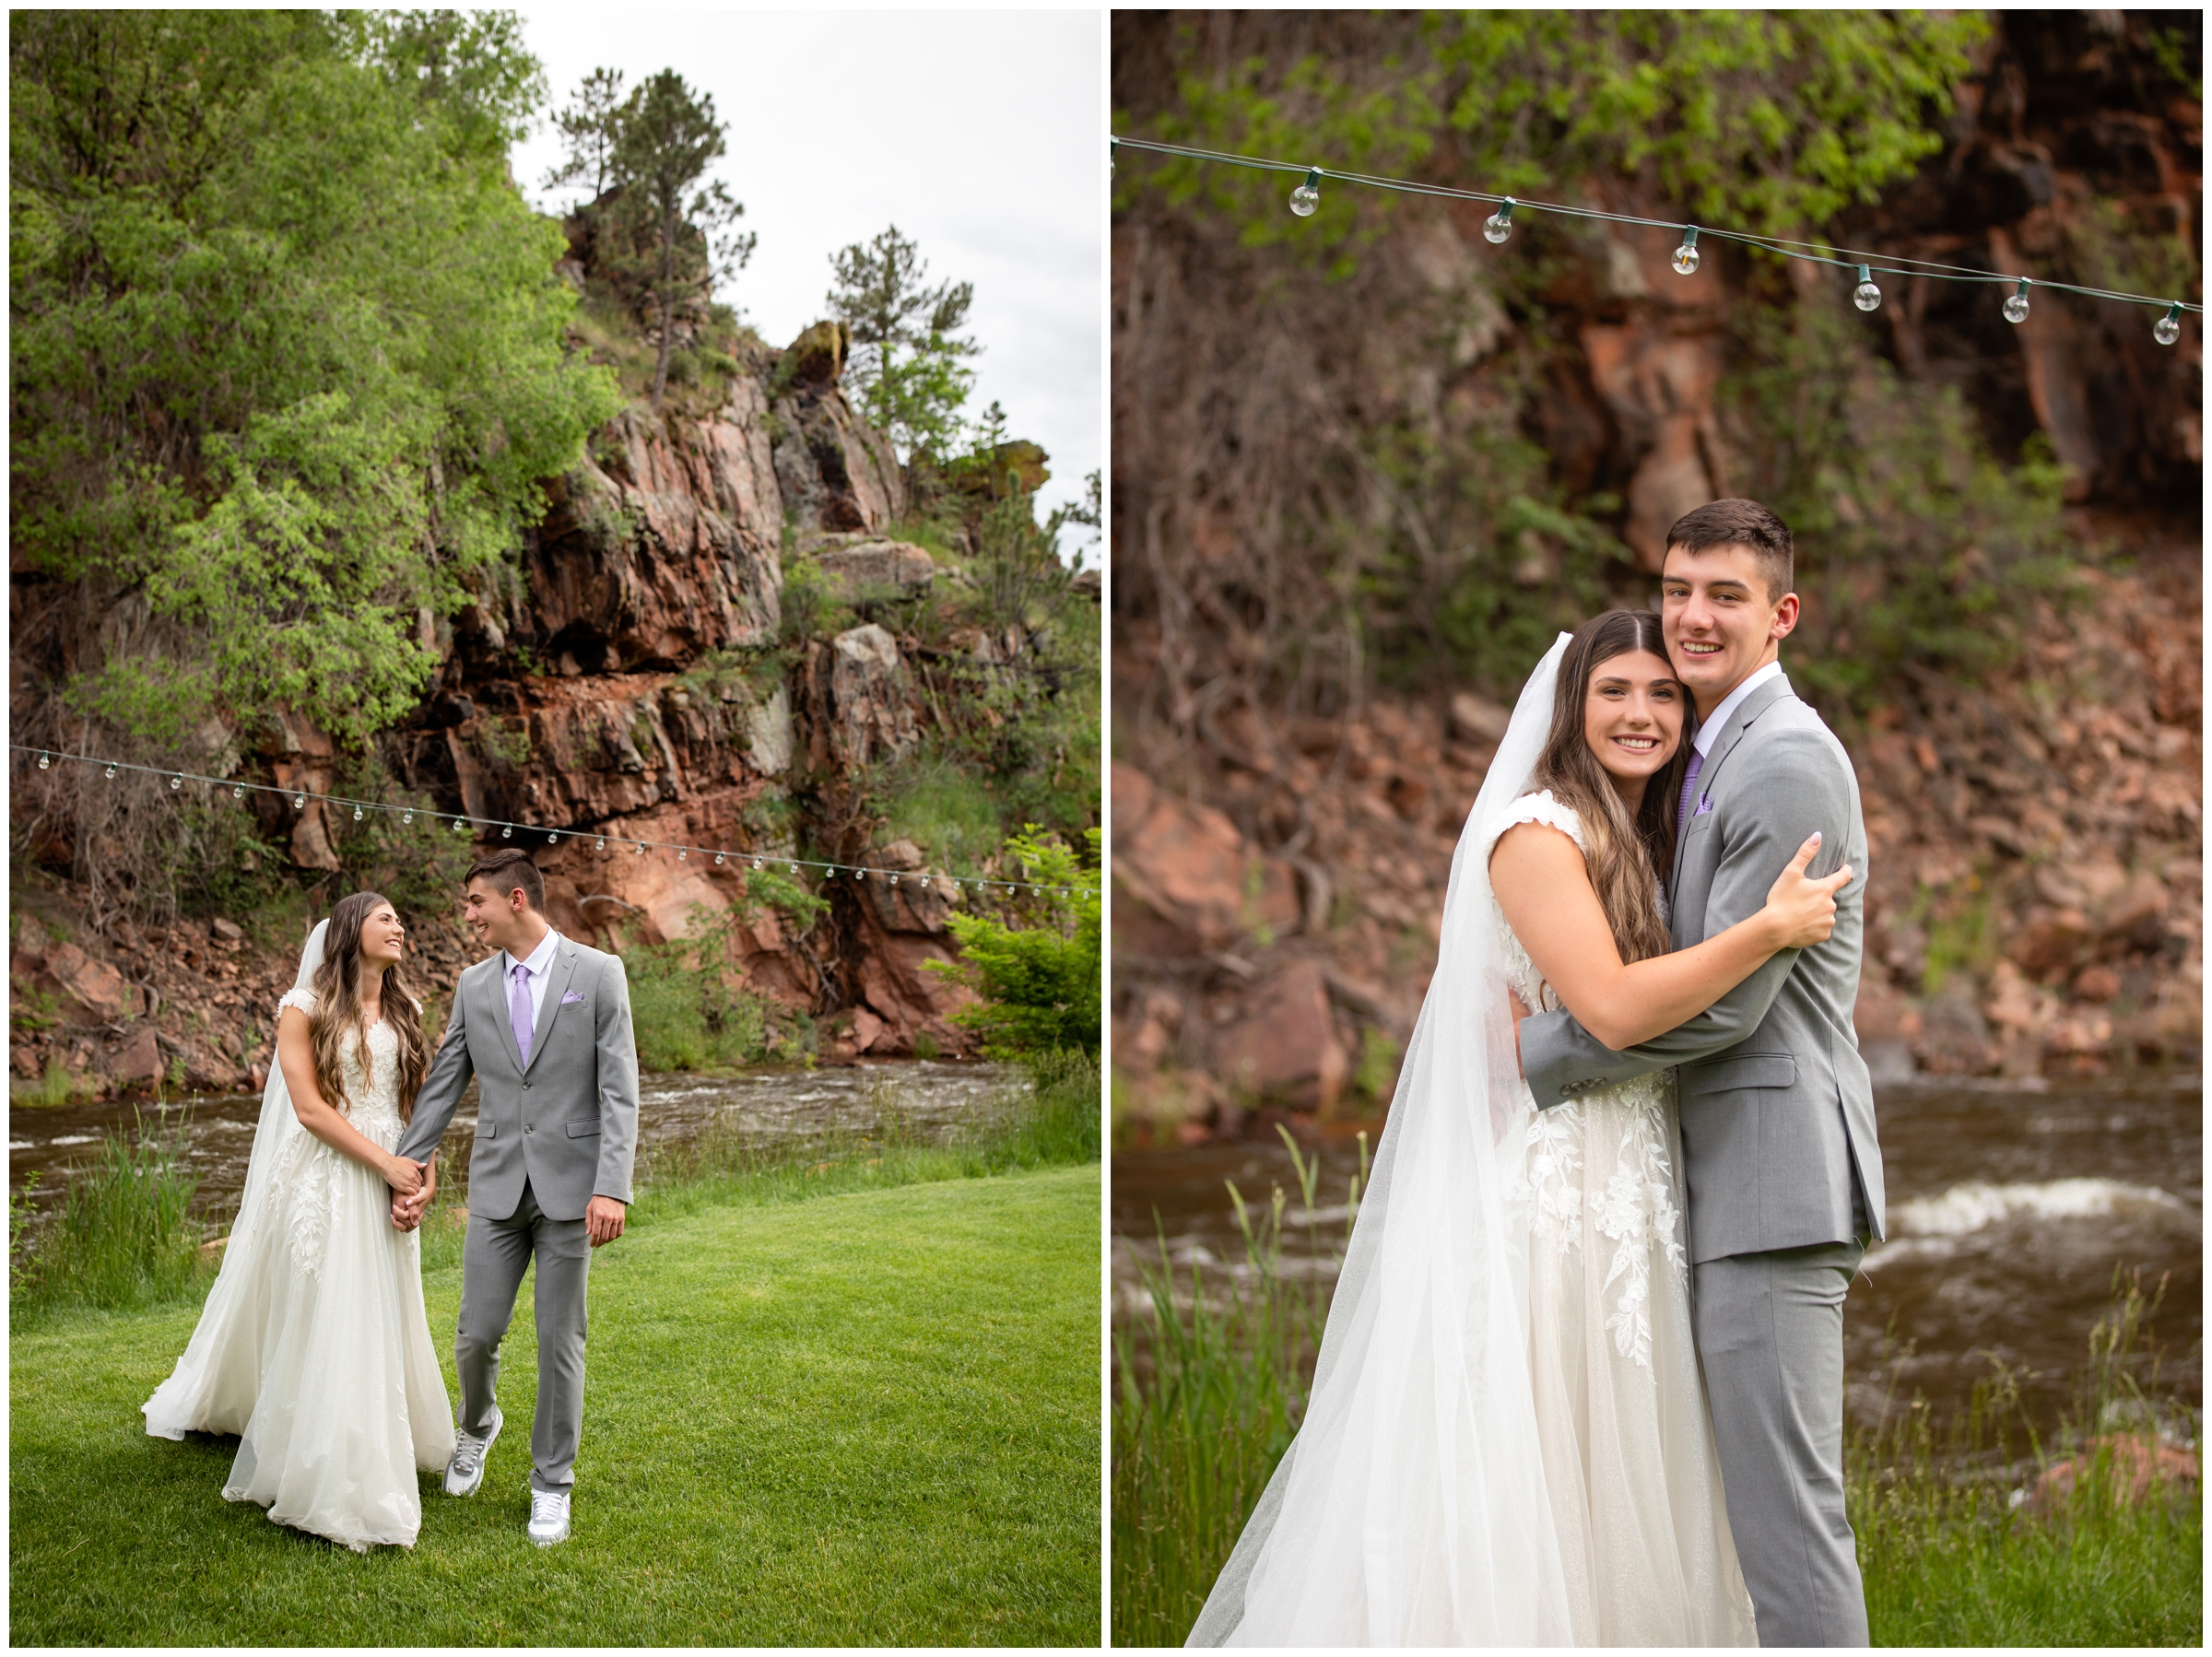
[1204, 1407]
[1977, 1531]
[125, 1237]
[1962, 1540]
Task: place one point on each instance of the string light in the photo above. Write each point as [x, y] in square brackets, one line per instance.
[463, 824]
[1865, 296]
[1500, 226]
[406, 819]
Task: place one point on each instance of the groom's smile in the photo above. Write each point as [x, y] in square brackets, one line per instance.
[1722, 619]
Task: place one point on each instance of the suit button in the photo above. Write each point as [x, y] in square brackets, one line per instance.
[526, 1128]
[526, 1087]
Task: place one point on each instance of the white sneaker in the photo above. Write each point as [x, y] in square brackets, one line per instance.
[465, 1471]
[548, 1517]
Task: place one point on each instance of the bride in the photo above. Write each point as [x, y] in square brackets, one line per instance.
[315, 1346]
[1507, 1441]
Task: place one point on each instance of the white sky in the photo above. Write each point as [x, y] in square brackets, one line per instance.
[980, 134]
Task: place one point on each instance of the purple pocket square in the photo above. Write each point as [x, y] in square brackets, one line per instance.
[568, 996]
[1704, 805]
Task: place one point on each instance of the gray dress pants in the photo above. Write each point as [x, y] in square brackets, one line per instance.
[1770, 1333]
[493, 1262]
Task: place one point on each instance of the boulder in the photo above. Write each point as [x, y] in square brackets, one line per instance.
[1184, 879]
[96, 987]
[135, 1060]
[872, 567]
[31, 942]
[2139, 1464]
[1284, 1044]
[873, 717]
[817, 356]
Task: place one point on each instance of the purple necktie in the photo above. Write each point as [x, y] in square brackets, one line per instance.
[518, 1012]
[1689, 783]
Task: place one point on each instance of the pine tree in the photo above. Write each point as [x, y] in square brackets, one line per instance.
[907, 364]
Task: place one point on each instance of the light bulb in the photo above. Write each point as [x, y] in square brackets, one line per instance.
[1307, 196]
[239, 792]
[460, 825]
[602, 845]
[1685, 256]
[1499, 225]
[44, 761]
[1865, 296]
[2016, 307]
[926, 883]
[2167, 330]
[111, 773]
[406, 819]
[794, 869]
[683, 854]
[757, 865]
[552, 840]
[507, 832]
[640, 848]
[894, 880]
[357, 814]
[298, 801]
[719, 860]
[860, 874]
[176, 783]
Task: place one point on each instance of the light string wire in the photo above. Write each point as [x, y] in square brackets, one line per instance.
[1817, 253]
[721, 856]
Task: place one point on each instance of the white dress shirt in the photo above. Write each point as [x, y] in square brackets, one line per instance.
[541, 969]
[1709, 729]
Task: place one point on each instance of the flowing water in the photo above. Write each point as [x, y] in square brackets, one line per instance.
[772, 1108]
[2010, 1206]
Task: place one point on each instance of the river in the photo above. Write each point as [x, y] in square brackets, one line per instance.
[769, 1106]
[2010, 1207]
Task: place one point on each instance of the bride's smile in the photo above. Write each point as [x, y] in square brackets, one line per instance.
[1632, 720]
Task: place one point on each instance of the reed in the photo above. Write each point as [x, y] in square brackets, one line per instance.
[1205, 1402]
[125, 1237]
[1974, 1530]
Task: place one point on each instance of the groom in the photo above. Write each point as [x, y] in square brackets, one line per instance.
[1779, 1155]
[544, 1026]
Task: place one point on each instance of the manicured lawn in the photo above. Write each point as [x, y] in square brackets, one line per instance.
[869, 1418]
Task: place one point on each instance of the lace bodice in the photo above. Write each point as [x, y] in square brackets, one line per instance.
[372, 1101]
[1635, 1209]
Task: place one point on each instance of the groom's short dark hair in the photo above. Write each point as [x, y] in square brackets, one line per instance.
[1740, 523]
[504, 871]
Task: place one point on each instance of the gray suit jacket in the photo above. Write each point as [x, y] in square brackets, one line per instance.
[1777, 1107]
[566, 1122]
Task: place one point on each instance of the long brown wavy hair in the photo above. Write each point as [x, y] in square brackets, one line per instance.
[337, 987]
[1627, 856]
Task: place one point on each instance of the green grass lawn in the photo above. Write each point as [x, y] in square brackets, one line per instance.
[869, 1418]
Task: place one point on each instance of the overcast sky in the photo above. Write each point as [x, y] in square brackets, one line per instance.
[980, 134]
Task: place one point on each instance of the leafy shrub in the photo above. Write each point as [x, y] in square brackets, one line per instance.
[1040, 985]
[125, 1237]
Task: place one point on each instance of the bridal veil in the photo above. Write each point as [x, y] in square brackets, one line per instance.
[1411, 1510]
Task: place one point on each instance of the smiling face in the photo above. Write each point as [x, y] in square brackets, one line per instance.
[1722, 623]
[1632, 719]
[383, 939]
[497, 918]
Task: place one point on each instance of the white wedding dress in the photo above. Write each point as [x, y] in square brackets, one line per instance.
[314, 1346]
[1620, 1406]
[1506, 1441]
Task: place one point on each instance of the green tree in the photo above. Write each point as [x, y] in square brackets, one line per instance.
[665, 138]
[1039, 986]
[285, 347]
[909, 360]
[590, 125]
